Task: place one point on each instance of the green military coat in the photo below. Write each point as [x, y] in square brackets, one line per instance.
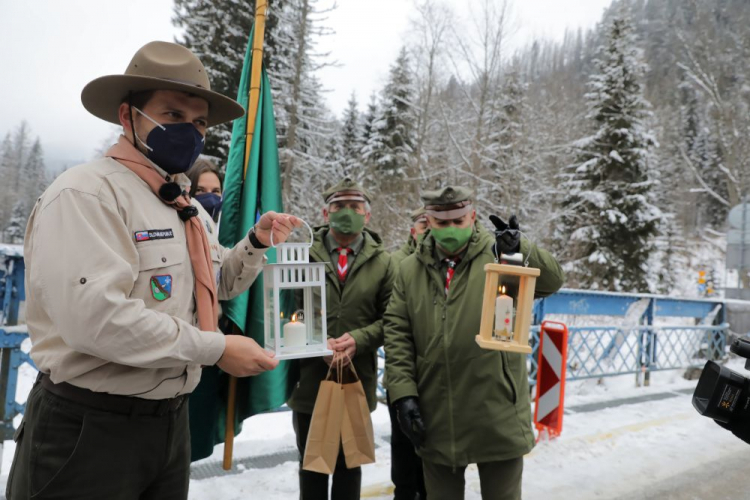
[356, 308]
[475, 403]
[406, 250]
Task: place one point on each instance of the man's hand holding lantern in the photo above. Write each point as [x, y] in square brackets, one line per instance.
[281, 225]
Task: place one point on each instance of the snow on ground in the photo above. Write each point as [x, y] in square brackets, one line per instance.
[603, 454]
[600, 455]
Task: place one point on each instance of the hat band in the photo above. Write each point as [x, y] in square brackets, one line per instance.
[421, 218]
[449, 214]
[346, 197]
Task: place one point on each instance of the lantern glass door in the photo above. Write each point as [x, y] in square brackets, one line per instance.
[294, 304]
[507, 308]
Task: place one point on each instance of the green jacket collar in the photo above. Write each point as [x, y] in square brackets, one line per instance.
[427, 251]
[373, 246]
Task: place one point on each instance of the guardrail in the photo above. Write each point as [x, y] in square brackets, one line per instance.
[642, 347]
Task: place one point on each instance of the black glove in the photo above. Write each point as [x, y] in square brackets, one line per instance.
[507, 236]
[740, 428]
[410, 420]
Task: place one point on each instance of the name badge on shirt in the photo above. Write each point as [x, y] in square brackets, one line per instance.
[153, 234]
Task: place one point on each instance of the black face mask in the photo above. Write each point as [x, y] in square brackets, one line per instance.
[174, 147]
[211, 202]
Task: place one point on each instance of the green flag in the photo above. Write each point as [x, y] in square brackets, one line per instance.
[243, 203]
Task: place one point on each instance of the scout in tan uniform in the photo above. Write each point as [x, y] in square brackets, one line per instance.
[123, 282]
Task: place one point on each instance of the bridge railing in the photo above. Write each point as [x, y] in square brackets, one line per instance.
[623, 336]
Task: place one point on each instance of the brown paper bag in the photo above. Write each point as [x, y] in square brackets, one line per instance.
[357, 436]
[324, 437]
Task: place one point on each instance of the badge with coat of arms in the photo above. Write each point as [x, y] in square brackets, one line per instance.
[161, 287]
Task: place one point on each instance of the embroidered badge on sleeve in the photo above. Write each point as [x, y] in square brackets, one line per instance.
[161, 287]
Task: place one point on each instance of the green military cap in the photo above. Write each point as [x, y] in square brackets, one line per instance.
[347, 189]
[449, 202]
[419, 213]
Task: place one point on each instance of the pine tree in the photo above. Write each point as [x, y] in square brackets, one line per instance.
[217, 32]
[7, 173]
[390, 146]
[15, 229]
[610, 219]
[34, 175]
[351, 140]
[303, 122]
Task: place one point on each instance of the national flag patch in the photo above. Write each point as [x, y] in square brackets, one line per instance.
[161, 287]
[153, 234]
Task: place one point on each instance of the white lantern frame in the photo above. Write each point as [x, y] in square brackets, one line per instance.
[294, 271]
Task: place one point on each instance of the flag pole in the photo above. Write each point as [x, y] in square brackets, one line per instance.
[252, 112]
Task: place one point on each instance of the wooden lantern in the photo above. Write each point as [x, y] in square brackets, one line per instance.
[507, 332]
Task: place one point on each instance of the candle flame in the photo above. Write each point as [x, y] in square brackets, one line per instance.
[501, 289]
[282, 314]
[294, 318]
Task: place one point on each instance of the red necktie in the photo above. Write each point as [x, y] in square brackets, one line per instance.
[343, 266]
[452, 263]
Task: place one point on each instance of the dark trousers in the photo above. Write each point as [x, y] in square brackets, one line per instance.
[498, 480]
[406, 466]
[347, 483]
[67, 450]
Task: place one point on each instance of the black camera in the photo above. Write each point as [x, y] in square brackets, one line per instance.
[723, 394]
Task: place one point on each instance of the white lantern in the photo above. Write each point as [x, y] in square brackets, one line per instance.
[299, 329]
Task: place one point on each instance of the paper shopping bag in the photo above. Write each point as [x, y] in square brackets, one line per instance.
[324, 437]
[357, 436]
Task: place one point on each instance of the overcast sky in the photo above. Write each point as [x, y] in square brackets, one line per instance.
[52, 48]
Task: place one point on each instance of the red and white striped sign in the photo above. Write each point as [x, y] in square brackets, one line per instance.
[550, 378]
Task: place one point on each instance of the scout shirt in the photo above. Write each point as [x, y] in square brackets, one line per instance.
[110, 303]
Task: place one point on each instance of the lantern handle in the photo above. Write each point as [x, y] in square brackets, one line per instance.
[497, 254]
[273, 245]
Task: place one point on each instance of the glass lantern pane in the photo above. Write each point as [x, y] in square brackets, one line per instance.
[270, 319]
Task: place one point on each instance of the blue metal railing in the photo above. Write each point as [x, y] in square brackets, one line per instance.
[12, 335]
[597, 351]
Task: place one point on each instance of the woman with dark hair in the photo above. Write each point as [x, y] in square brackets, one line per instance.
[206, 183]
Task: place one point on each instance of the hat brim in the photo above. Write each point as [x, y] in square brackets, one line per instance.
[102, 97]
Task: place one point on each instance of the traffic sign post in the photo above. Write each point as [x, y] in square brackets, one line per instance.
[550, 382]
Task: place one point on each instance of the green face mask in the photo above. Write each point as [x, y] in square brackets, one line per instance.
[452, 239]
[347, 221]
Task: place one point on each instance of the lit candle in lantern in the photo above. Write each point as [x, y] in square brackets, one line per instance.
[503, 315]
[295, 333]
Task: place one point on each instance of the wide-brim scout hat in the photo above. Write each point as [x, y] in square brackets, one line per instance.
[451, 202]
[158, 66]
[347, 189]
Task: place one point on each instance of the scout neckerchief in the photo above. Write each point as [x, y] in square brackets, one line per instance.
[343, 266]
[452, 263]
[206, 300]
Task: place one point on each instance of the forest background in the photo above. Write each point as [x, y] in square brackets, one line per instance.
[621, 148]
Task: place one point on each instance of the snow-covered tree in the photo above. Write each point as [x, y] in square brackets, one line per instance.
[610, 218]
[389, 150]
[16, 227]
[351, 140]
[217, 32]
[23, 175]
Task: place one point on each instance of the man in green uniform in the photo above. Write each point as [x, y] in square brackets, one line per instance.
[358, 287]
[406, 466]
[459, 404]
[419, 226]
